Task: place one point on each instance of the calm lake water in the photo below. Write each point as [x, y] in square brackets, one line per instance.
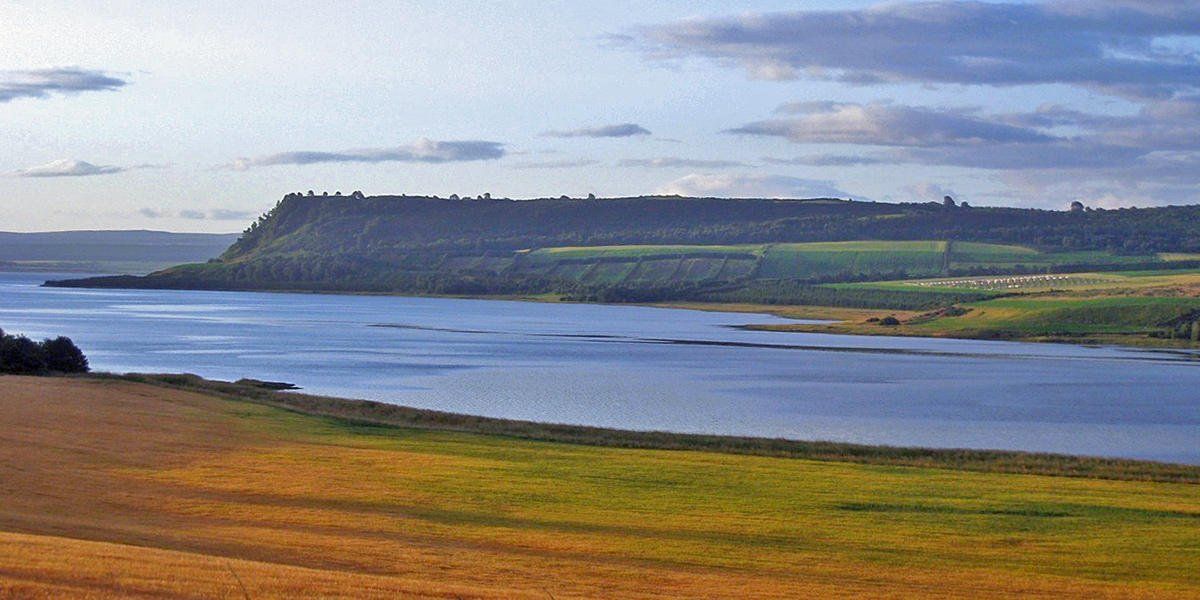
[639, 368]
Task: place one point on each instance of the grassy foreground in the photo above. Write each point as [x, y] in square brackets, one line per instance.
[113, 487]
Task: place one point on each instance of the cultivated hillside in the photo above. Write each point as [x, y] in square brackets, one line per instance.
[659, 248]
[325, 224]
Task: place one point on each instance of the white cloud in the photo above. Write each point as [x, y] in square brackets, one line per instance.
[825, 160]
[751, 186]
[41, 83]
[927, 191]
[69, 168]
[226, 214]
[603, 131]
[556, 164]
[675, 162]
[421, 151]
[213, 214]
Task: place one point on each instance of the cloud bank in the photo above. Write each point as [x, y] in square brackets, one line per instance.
[1104, 45]
[885, 124]
[1145, 53]
[1152, 154]
[926, 191]
[421, 151]
[41, 83]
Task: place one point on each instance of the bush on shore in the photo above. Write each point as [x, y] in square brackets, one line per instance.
[20, 355]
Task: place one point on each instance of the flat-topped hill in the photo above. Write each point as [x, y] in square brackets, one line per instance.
[355, 224]
[668, 247]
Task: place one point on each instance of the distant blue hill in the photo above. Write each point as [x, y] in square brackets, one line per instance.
[131, 251]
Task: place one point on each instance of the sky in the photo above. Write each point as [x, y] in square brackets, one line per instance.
[198, 116]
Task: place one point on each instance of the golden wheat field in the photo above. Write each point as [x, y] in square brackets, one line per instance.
[114, 488]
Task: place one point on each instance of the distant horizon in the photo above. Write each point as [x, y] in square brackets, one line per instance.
[50, 231]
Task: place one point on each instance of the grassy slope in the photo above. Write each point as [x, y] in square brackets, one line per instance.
[638, 251]
[815, 259]
[821, 258]
[1065, 315]
[1125, 281]
[806, 312]
[1117, 307]
[114, 487]
[978, 254]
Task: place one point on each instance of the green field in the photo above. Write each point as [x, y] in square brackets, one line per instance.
[996, 284]
[543, 255]
[785, 261]
[1056, 315]
[1131, 281]
[1127, 307]
[793, 274]
[1174, 256]
[789, 261]
[673, 264]
[971, 254]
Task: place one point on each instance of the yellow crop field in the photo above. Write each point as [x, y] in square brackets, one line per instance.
[120, 488]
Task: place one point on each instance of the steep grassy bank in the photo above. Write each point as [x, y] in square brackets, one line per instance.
[119, 488]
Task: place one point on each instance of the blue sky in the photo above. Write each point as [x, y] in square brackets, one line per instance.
[197, 116]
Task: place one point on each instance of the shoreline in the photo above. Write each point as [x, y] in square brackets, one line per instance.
[840, 320]
[379, 414]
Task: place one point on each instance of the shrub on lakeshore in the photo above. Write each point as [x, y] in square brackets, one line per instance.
[20, 355]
